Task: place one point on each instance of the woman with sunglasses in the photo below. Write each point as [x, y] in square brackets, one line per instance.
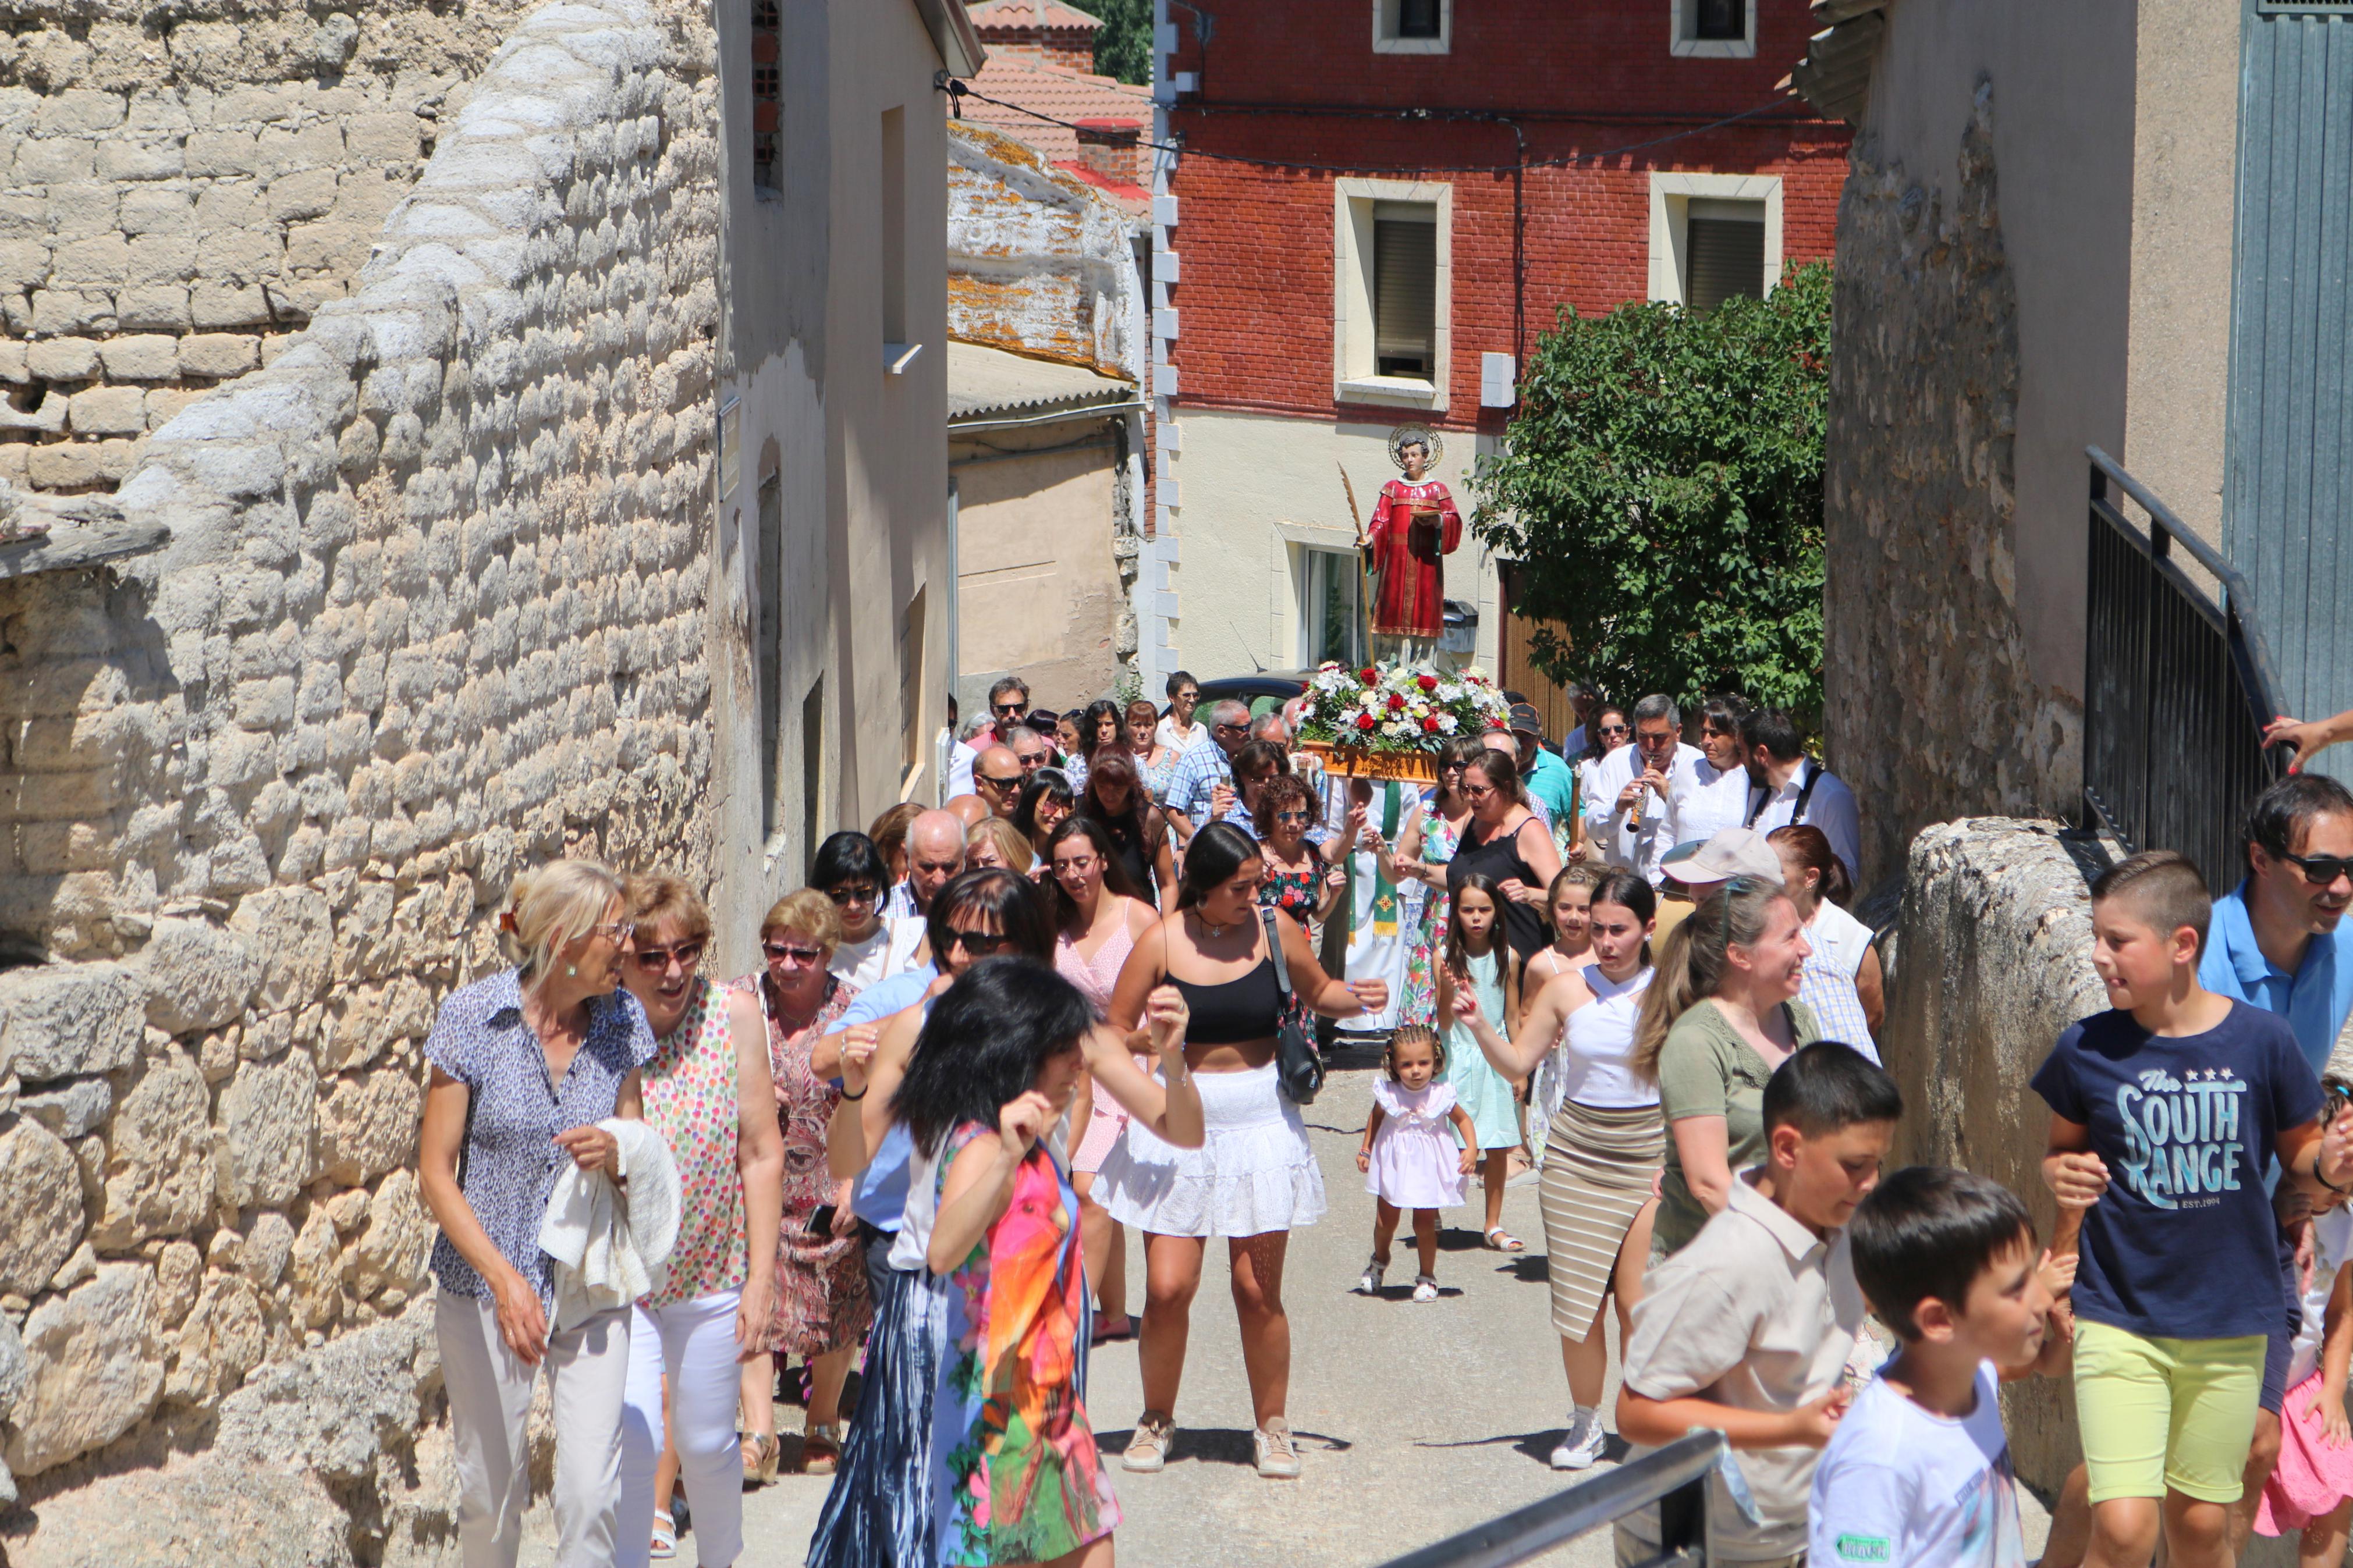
[1115, 801]
[525, 1063]
[850, 870]
[707, 1094]
[1254, 1176]
[1177, 730]
[1299, 881]
[1098, 920]
[1610, 730]
[1427, 840]
[1046, 803]
[880, 1512]
[822, 1303]
[1509, 845]
[1722, 1014]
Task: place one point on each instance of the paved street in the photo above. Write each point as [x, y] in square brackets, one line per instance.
[1415, 1421]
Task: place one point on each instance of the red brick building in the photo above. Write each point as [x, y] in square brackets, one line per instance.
[1377, 206]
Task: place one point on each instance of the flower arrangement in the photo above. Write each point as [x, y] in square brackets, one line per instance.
[1396, 709]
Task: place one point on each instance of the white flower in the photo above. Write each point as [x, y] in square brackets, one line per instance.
[1447, 724]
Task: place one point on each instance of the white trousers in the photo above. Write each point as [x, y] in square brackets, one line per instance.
[693, 1345]
[490, 1407]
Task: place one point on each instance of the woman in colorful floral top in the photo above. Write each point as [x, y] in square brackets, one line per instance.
[822, 1304]
[706, 1092]
[1299, 880]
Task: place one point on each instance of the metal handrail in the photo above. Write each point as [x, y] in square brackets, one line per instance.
[2238, 598]
[1675, 1477]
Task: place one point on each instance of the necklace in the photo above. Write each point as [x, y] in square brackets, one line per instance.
[1212, 926]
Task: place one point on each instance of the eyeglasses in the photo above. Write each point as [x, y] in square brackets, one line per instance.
[782, 952]
[1010, 781]
[1008, 710]
[1478, 792]
[656, 960]
[979, 943]
[1291, 817]
[618, 930]
[2319, 870]
[1612, 729]
[854, 893]
[1237, 728]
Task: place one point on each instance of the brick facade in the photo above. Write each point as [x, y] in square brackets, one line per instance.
[1256, 295]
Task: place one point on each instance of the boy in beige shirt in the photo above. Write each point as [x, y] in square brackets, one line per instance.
[1747, 1329]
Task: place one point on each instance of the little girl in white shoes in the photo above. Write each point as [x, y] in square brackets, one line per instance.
[1409, 1159]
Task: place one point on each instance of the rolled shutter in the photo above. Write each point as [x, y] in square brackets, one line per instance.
[1405, 295]
[1726, 260]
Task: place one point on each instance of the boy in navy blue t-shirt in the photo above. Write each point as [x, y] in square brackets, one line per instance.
[2166, 1114]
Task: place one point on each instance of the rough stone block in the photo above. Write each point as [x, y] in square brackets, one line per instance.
[329, 245]
[108, 410]
[392, 1253]
[117, 455]
[198, 975]
[60, 313]
[161, 258]
[165, 209]
[165, 402]
[159, 308]
[263, 1142]
[219, 355]
[330, 1411]
[24, 264]
[211, 1511]
[240, 255]
[223, 153]
[40, 1207]
[128, 159]
[74, 1110]
[62, 466]
[55, 160]
[67, 1020]
[211, 305]
[63, 359]
[101, 261]
[224, 1337]
[16, 1367]
[78, 110]
[159, 1179]
[284, 151]
[293, 931]
[306, 194]
[97, 1368]
[382, 138]
[141, 356]
[367, 1125]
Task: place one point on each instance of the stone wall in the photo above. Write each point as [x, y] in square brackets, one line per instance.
[181, 186]
[1993, 959]
[1931, 707]
[432, 609]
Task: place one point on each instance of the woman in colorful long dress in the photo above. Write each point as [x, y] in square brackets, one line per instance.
[1425, 845]
[822, 1305]
[706, 1092]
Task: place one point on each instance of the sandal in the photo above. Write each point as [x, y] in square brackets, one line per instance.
[821, 1448]
[1106, 1332]
[1501, 1240]
[760, 1455]
[665, 1543]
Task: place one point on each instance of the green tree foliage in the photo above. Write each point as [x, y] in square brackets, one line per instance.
[1124, 46]
[1661, 485]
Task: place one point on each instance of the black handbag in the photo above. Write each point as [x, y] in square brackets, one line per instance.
[1296, 1066]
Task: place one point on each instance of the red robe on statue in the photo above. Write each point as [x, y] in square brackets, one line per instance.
[1411, 600]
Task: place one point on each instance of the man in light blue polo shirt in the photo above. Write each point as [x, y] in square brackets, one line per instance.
[2275, 940]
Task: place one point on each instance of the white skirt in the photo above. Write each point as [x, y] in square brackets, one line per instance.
[1253, 1175]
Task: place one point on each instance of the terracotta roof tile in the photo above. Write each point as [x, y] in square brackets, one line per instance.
[992, 15]
[1057, 91]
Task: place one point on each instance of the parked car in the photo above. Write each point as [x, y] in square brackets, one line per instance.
[1280, 685]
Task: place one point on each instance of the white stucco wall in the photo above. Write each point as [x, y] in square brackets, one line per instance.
[1255, 486]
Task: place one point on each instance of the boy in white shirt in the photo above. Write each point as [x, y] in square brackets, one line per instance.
[1918, 1471]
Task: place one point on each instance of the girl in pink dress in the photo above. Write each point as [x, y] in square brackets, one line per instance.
[1097, 921]
[1410, 1158]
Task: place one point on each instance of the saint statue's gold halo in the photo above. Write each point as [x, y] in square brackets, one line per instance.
[1423, 436]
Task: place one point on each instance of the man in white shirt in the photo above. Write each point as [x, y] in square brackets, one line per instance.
[1790, 786]
[1713, 793]
[1630, 815]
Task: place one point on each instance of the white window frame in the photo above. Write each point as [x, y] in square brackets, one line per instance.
[1297, 543]
[1353, 357]
[1670, 199]
[1682, 23]
[1387, 42]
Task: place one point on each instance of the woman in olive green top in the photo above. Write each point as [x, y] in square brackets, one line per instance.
[1719, 1018]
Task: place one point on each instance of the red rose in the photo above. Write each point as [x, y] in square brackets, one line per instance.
[1363, 721]
[1426, 682]
[1429, 725]
[1370, 676]
[1396, 700]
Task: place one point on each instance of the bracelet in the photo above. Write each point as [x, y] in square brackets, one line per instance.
[860, 1095]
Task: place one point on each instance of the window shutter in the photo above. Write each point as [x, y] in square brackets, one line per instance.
[1405, 296]
[1726, 260]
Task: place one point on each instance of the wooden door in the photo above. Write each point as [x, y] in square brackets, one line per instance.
[1517, 672]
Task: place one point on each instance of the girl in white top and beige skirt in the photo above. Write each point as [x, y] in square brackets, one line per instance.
[1605, 1146]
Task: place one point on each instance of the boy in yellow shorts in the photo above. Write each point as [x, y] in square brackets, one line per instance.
[2165, 1114]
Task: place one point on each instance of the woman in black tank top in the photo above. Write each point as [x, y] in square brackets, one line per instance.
[1507, 843]
[1255, 1176]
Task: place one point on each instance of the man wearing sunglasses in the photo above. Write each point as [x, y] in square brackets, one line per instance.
[2275, 940]
[1008, 705]
[997, 776]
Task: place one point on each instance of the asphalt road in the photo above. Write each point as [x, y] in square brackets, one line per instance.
[1414, 1421]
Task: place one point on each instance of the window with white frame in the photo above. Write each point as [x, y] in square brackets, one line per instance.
[1331, 620]
[1719, 29]
[1413, 26]
[1391, 281]
[1713, 237]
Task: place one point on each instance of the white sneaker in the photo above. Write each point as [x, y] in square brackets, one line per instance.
[1147, 1449]
[1580, 1447]
[1278, 1457]
[1425, 1288]
[1370, 1284]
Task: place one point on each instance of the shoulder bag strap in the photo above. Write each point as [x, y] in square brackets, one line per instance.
[1274, 943]
[1806, 790]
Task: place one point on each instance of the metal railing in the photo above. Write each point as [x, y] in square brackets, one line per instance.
[2177, 688]
[1676, 1478]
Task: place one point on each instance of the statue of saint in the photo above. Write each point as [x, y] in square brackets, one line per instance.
[1415, 527]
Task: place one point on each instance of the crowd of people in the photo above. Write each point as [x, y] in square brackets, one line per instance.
[1080, 985]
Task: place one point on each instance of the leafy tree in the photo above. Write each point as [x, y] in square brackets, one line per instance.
[1124, 43]
[1661, 485]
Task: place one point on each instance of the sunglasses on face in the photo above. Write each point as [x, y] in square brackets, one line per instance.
[2320, 870]
[979, 943]
[1236, 728]
[1478, 792]
[854, 894]
[1010, 781]
[784, 952]
[1008, 710]
[1613, 729]
[1291, 817]
[657, 960]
